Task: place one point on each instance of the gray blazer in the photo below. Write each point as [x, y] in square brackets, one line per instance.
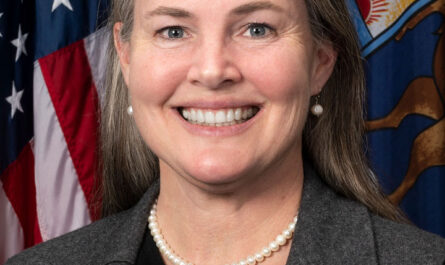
[331, 230]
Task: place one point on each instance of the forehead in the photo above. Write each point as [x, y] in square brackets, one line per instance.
[216, 8]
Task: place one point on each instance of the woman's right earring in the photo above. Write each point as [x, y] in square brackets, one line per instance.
[130, 110]
[317, 109]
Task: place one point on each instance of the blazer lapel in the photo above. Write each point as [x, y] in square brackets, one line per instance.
[331, 229]
[125, 240]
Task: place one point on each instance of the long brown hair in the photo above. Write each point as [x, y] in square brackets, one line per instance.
[334, 142]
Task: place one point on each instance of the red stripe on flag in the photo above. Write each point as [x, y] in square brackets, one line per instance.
[67, 74]
[20, 188]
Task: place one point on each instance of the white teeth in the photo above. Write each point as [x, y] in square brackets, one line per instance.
[186, 114]
[238, 114]
[220, 117]
[230, 115]
[210, 117]
[224, 117]
[193, 115]
[244, 116]
[200, 115]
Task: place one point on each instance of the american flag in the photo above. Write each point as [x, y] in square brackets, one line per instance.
[51, 67]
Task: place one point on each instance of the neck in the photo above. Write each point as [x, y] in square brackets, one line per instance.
[208, 227]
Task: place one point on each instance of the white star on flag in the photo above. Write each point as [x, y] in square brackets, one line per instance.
[57, 3]
[14, 100]
[1, 14]
[20, 44]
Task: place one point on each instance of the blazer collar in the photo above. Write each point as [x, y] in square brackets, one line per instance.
[125, 242]
[331, 229]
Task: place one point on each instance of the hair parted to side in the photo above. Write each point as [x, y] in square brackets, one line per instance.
[128, 166]
[334, 141]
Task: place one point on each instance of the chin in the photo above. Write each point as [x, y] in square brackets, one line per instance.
[216, 176]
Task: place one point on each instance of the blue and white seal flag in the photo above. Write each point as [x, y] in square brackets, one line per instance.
[51, 56]
[403, 42]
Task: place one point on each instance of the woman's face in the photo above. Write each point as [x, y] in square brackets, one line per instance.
[220, 89]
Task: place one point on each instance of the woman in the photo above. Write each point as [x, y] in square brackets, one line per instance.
[206, 133]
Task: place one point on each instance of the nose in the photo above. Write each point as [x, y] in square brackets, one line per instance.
[212, 66]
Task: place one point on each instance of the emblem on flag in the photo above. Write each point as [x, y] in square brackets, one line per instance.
[403, 42]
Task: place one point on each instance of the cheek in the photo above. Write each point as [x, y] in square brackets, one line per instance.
[154, 78]
[280, 74]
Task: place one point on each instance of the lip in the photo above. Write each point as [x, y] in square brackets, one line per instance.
[214, 131]
[214, 105]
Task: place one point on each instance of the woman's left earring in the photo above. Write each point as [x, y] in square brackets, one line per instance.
[317, 109]
[130, 110]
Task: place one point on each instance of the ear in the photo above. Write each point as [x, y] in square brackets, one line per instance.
[123, 51]
[325, 57]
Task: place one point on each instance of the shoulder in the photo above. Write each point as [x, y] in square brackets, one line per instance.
[77, 247]
[406, 244]
[333, 229]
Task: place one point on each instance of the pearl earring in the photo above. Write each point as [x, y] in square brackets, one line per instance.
[130, 110]
[317, 109]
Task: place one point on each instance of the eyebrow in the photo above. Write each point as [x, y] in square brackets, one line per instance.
[169, 11]
[255, 6]
[241, 10]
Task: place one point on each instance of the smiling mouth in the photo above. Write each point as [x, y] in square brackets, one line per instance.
[218, 117]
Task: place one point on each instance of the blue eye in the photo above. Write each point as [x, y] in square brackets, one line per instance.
[175, 32]
[258, 30]
[172, 32]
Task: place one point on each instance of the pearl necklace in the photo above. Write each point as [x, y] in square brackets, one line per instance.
[266, 252]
